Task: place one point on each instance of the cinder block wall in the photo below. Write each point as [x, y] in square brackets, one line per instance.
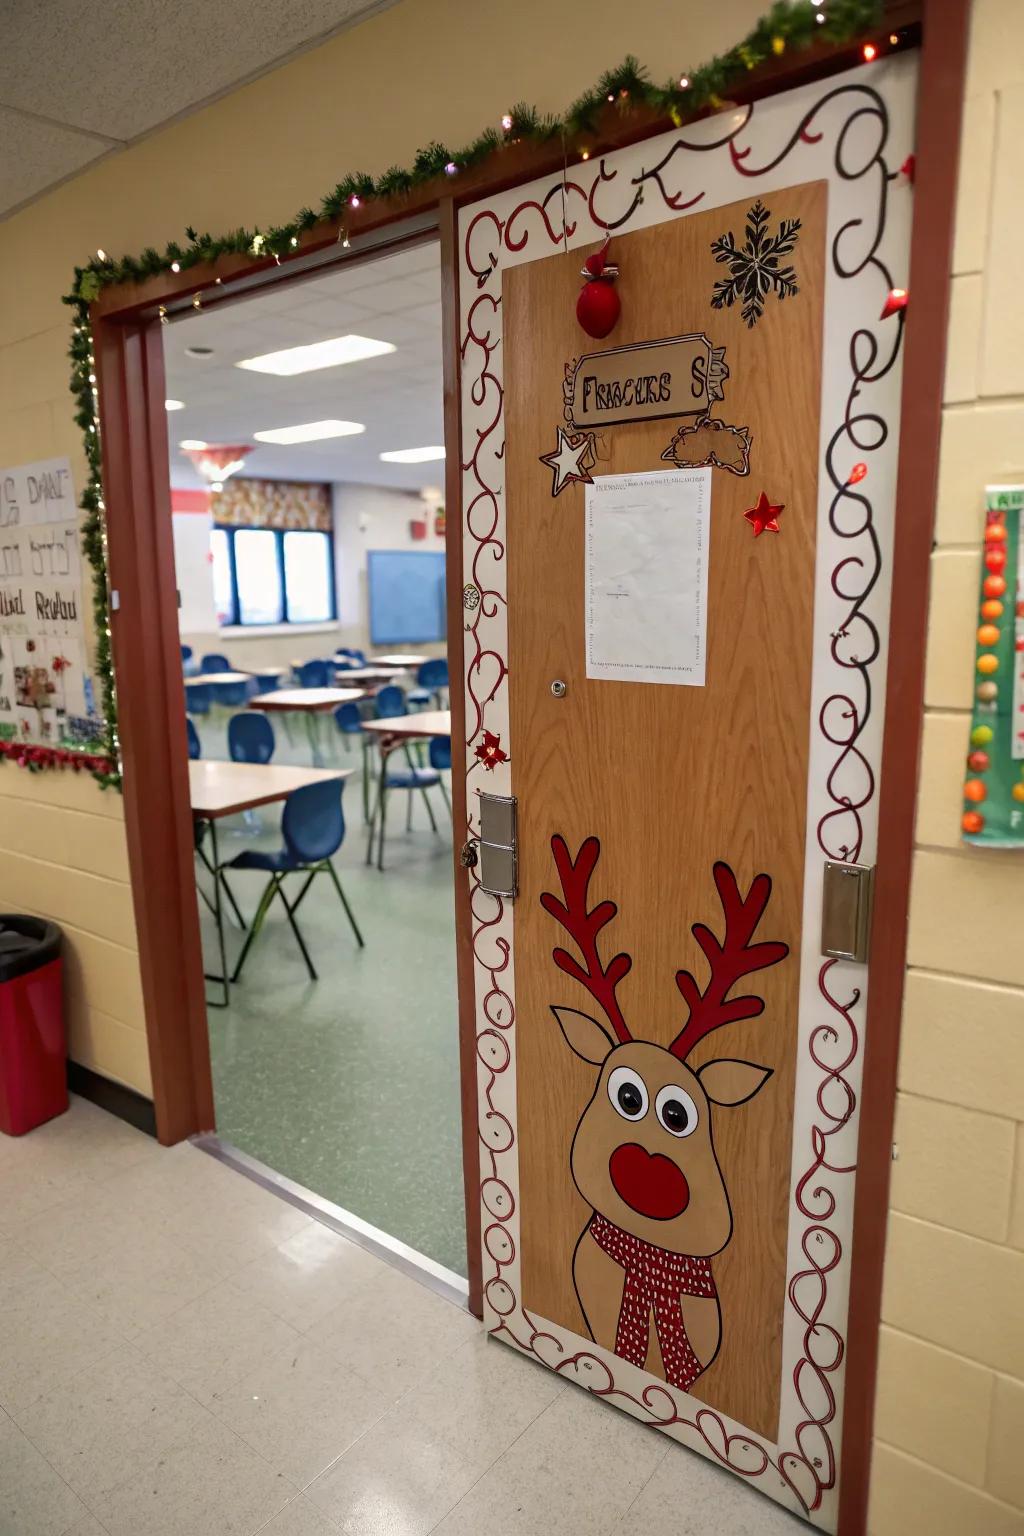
[949, 1452]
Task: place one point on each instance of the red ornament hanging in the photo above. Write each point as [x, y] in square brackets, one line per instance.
[598, 306]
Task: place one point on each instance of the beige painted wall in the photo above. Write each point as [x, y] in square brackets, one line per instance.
[367, 99]
[951, 1403]
[950, 1416]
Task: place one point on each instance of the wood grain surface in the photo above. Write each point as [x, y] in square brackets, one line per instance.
[669, 778]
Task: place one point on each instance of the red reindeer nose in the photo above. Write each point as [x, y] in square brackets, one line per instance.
[650, 1184]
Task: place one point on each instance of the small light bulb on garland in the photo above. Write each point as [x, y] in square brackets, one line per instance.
[778, 46]
[506, 123]
[354, 200]
[896, 301]
[294, 241]
[101, 254]
[684, 82]
[451, 169]
[869, 53]
[175, 266]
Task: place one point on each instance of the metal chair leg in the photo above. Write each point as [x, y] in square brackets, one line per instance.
[408, 813]
[430, 808]
[311, 968]
[442, 786]
[257, 923]
[373, 819]
[344, 901]
[383, 818]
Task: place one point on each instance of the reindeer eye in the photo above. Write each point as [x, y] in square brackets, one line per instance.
[628, 1093]
[676, 1110]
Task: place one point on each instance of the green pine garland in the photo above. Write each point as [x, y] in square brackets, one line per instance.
[788, 25]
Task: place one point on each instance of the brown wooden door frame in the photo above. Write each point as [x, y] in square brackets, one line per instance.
[128, 348]
[129, 365]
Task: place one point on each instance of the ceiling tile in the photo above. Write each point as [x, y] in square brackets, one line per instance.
[129, 65]
[35, 154]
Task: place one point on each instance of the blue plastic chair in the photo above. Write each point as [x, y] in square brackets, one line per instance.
[186, 654]
[431, 681]
[215, 662]
[411, 779]
[313, 826]
[349, 722]
[232, 695]
[314, 674]
[195, 746]
[198, 698]
[267, 682]
[189, 665]
[250, 738]
[390, 701]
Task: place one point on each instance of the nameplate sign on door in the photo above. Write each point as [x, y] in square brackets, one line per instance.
[678, 376]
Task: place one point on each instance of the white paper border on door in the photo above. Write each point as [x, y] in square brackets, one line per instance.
[855, 132]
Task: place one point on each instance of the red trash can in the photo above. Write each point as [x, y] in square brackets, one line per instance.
[33, 1073]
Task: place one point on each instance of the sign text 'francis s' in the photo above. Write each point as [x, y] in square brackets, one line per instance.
[679, 376]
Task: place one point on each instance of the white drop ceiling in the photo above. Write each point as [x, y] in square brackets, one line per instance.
[398, 397]
[78, 82]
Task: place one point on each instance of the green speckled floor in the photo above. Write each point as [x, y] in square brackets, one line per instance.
[350, 1085]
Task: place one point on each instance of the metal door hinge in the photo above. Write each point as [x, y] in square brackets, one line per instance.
[846, 910]
[497, 848]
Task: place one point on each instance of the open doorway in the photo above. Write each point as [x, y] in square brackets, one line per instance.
[305, 437]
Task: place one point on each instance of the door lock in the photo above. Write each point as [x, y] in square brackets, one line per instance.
[558, 688]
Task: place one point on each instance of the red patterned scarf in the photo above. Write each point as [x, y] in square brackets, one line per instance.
[659, 1279]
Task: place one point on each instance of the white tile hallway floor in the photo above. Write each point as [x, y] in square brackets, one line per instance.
[184, 1354]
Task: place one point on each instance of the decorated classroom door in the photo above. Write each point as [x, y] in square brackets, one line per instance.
[679, 467]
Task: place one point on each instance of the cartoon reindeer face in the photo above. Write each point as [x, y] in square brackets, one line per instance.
[643, 1155]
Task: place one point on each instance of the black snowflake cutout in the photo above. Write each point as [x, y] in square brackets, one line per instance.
[754, 267]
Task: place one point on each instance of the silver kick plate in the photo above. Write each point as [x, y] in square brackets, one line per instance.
[497, 869]
[846, 910]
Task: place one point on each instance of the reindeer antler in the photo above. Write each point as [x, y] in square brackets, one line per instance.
[583, 926]
[729, 960]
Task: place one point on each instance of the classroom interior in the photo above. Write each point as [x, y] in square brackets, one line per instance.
[306, 451]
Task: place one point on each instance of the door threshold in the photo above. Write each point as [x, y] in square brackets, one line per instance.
[444, 1282]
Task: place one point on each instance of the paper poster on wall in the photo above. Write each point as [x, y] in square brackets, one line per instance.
[647, 539]
[46, 693]
[993, 791]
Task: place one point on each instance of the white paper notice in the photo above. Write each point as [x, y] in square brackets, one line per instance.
[647, 576]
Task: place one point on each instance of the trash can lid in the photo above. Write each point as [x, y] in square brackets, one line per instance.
[26, 944]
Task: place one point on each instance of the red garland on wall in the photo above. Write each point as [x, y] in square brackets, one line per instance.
[36, 758]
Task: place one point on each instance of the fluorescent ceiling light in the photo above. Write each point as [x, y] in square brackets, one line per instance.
[191, 444]
[319, 354]
[174, 405]
[412, 455]
[309, 432]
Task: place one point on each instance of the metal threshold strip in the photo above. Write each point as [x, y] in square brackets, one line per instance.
[444, 1282]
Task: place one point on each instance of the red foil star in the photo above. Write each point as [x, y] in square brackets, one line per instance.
[490, 751]
[764, 518]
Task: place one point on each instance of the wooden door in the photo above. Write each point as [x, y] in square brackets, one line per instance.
[668, 1064]
[670, 779]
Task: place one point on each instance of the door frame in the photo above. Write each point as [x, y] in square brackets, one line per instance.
[126, 322]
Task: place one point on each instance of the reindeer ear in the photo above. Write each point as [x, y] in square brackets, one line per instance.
[732, 1082]
[585, 1035]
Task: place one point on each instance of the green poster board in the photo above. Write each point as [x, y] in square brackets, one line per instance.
[993, 808]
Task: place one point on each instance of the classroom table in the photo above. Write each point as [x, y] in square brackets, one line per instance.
[308, 702]
[404, 662]
[202, 679]
[368, 676]
[226, 789]
[398, 731]
[428, 722]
